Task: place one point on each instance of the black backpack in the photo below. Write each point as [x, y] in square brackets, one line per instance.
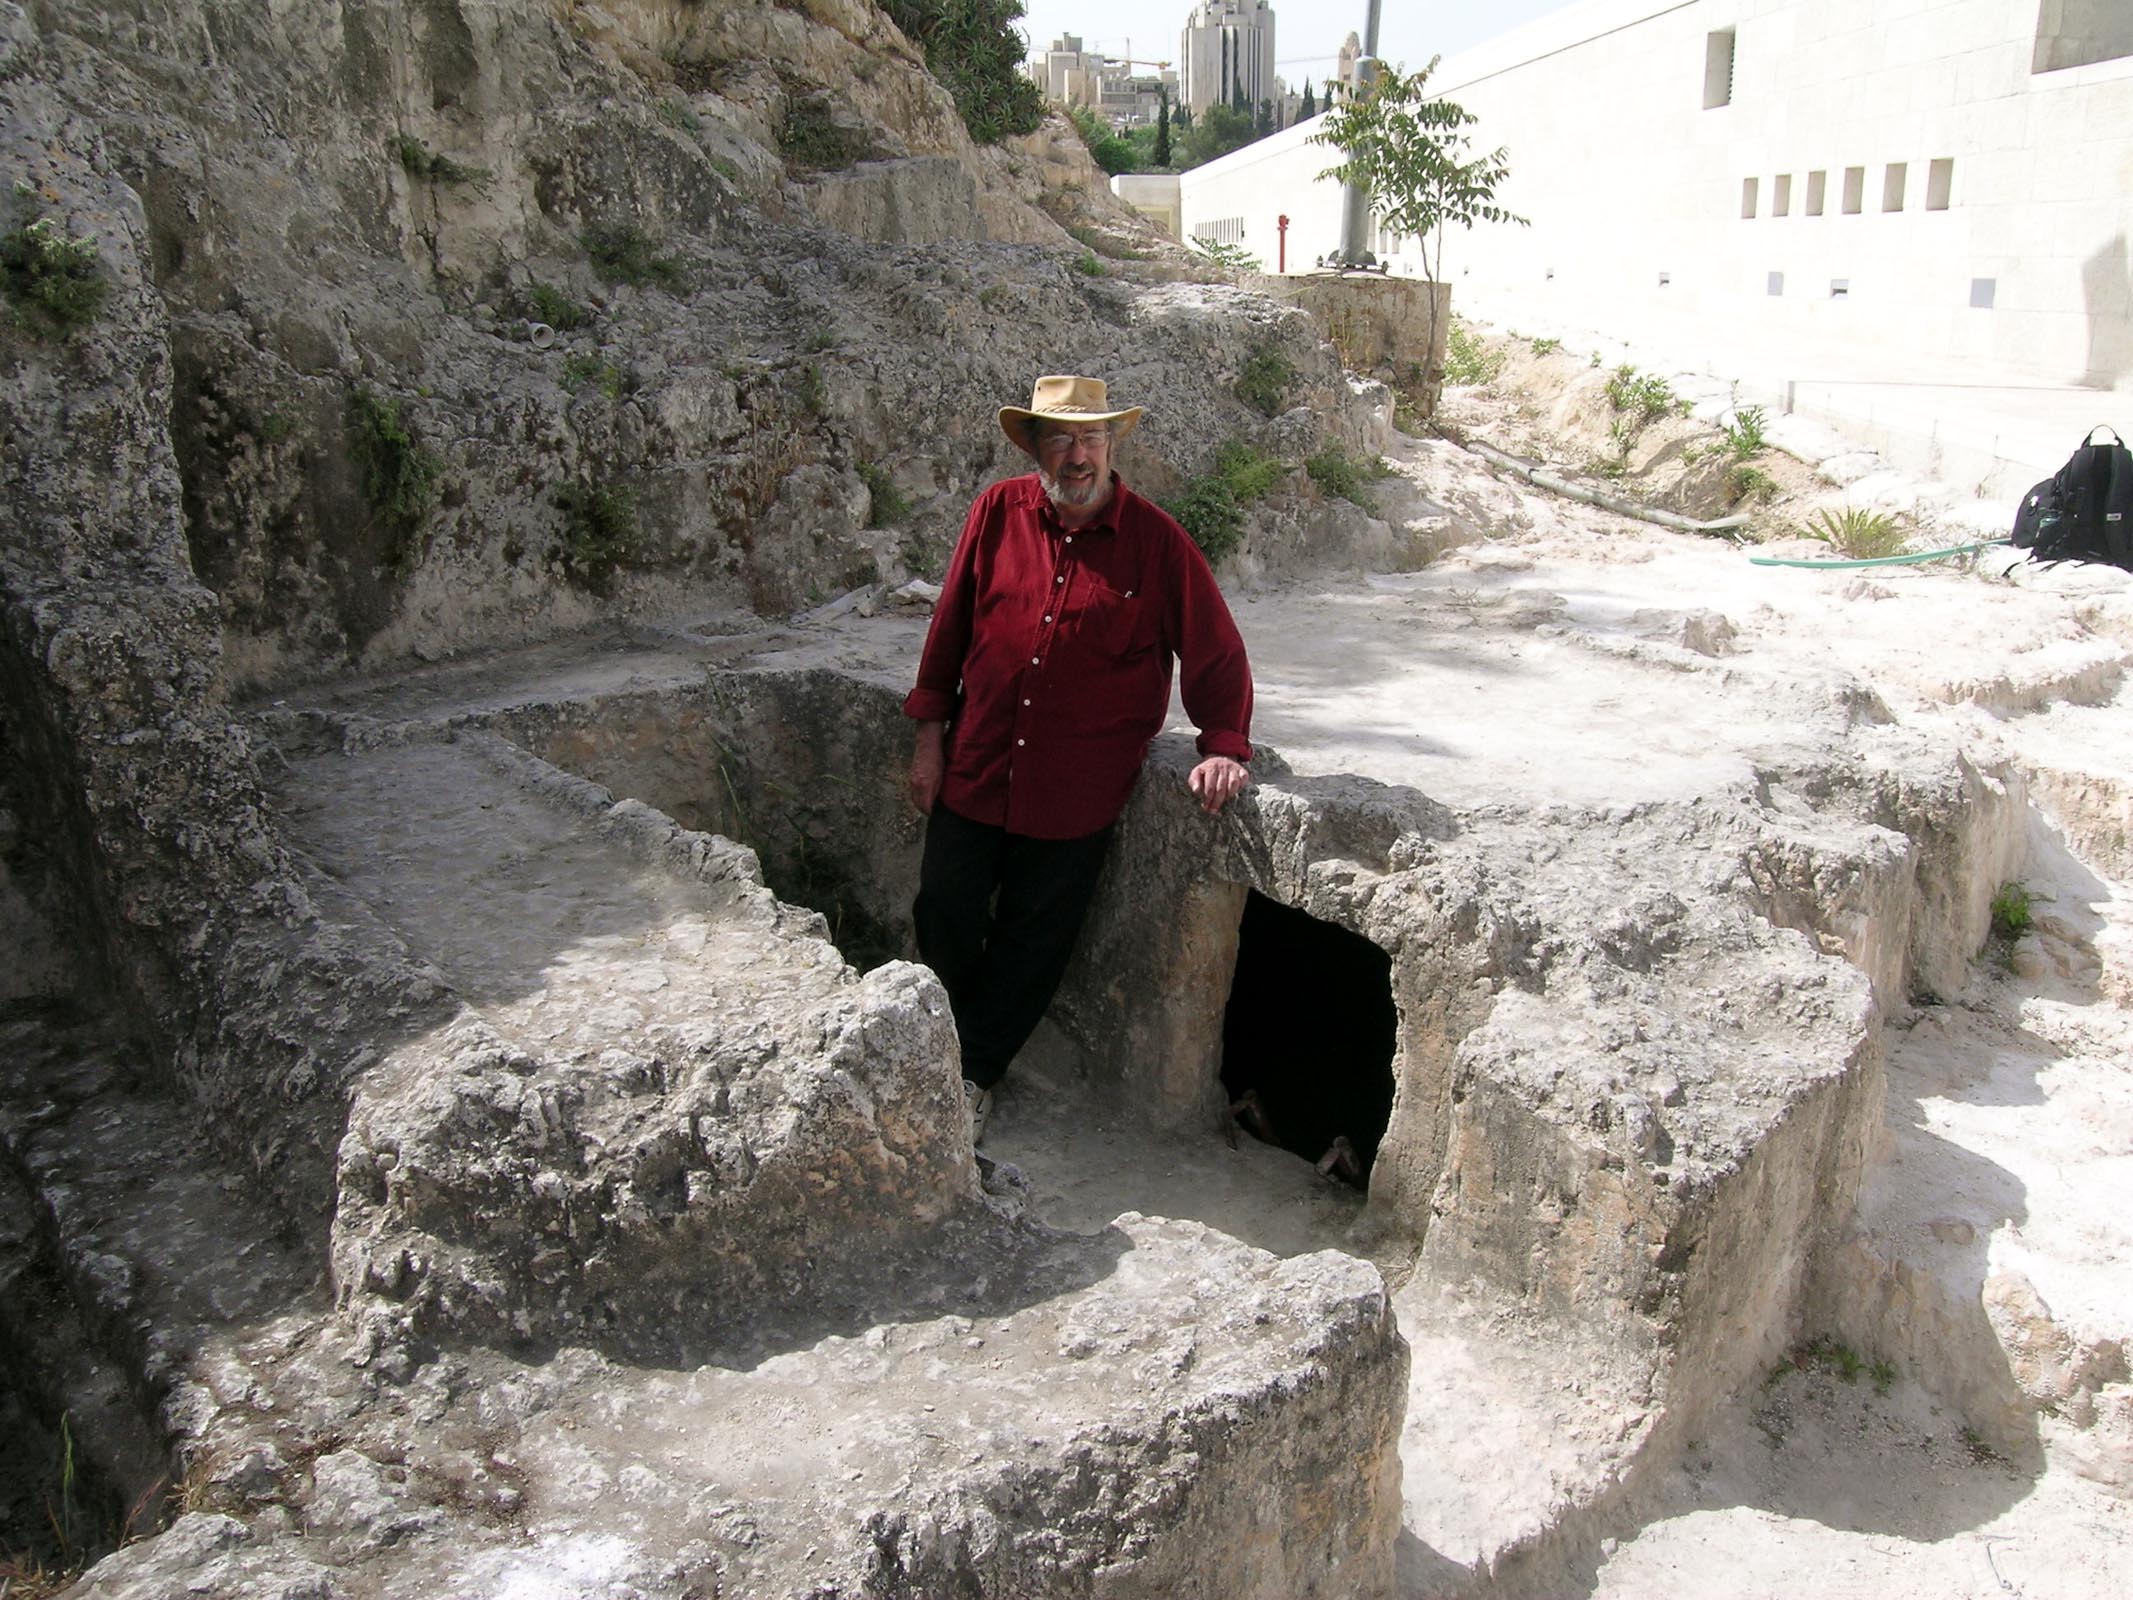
[2084, 511]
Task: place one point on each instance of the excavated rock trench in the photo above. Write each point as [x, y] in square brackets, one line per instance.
[666, 1264]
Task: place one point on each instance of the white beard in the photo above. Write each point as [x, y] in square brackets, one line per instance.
[1083, 496]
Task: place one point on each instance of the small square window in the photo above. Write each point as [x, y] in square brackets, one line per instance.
[1817, 186]
[1981, 291]
[1747, 197]
[1781, 196]
[1718, 68]
[1854, 190]
[1940, 183]
[1840, 288]
[1777, 283]
[1892, 178]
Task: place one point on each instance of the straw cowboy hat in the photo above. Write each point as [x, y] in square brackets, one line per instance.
[1066, 399]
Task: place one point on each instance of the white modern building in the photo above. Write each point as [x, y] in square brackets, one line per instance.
[1947, 183]
[1227, 45]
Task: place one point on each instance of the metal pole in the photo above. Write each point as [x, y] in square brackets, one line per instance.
[1355, 205]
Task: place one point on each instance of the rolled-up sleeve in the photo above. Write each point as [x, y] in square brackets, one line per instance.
[1214, 677]
[940, 666]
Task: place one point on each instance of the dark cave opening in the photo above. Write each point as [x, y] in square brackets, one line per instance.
[1308, 1038]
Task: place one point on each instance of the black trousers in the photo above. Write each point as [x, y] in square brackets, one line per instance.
[996, 916]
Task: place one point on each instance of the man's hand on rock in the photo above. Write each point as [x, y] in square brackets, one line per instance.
[1217, 781]
[928, 761]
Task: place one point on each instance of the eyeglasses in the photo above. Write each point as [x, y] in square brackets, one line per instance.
[1090, 439]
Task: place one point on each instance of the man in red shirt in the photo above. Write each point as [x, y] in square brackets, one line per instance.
[1045, 675]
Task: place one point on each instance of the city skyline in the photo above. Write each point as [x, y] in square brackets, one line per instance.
[1409, 31]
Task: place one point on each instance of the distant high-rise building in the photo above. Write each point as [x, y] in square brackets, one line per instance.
[1068, 74]
[1227, 45]
[1071, 75]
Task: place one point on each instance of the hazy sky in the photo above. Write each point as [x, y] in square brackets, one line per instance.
[1409, 31]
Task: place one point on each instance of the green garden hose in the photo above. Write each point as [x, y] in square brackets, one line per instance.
[1879, 561]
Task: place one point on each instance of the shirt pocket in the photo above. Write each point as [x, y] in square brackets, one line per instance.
[1118, 623]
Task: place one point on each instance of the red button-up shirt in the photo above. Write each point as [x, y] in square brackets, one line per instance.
[1049, 656]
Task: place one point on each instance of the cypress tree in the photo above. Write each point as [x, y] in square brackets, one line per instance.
[1162, 129]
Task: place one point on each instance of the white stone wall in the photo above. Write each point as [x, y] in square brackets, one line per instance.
[1154, 195]
[1630, 180]
[1239, 198]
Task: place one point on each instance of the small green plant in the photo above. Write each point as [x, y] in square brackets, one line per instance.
[60, 281]
[1229, 257]
[889, 508]
[1265, 381]
[1466, 359]
[1211, 508]
[812, 140]
[2011, 912]
[819, 340]
[1337, 472]
[1102, 243]
[1857, 533]
[399, 474]
[1839, 1360]
[425, 165]
[276, 427]
[813, 395]
[726, 167]
[554, 307]
[1546, 347]
[1750, 483]
[1088, 265]
[1638, 398]
[66, 1517]
[922, 553]
[1980, 1453]
[599, 534]
[580, 369]
[995, 295]
[1744, 434]
[1883, 1374]
[676, 114]
[621, 253]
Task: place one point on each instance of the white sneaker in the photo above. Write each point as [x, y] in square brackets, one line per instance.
[979, 1103]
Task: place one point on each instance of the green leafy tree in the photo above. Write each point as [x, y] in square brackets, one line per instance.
[1264, 123]
[1112, 153]
[1238, 99]
[1162, 129]
[1309, 108]
[1412, 156]
[1221, 130]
